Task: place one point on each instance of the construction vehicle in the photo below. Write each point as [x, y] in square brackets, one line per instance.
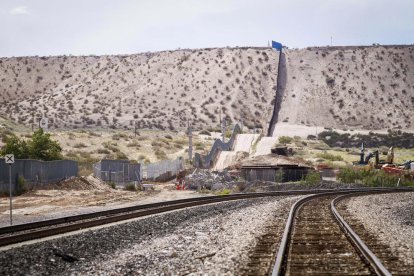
[387, 165]
[365, 160]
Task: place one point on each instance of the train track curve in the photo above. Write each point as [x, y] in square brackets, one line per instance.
[41, 229]
[317, 240]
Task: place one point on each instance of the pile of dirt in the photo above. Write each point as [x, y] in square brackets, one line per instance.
[78, 183]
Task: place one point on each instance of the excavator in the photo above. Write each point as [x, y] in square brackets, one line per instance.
[364, 160]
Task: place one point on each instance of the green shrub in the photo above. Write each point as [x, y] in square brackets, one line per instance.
[224, 191]
[111, 184]
[130, 187]
[285, 139]
[121, 156]
[372, 177]
[312, 177]
[40, 146]
[329, 156]
[21, 186]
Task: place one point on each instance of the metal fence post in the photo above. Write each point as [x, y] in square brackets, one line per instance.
[10, 194]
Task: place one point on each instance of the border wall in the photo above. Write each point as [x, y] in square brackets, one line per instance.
[163, 170]
[278, 94]
[35, 172]
[117, 171]
[207, 161]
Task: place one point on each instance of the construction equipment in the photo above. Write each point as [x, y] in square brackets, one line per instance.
[364, 160]
[387, 165]
[390, 156]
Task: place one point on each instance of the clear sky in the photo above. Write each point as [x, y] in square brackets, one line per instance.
[83, 27]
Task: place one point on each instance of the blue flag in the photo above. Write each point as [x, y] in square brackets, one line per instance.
[276, 45]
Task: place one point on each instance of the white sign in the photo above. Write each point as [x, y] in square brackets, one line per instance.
[43, 123]
[9, 158]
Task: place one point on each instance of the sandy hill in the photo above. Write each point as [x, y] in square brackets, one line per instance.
[340, 87]
[156, 90]
[348, 87]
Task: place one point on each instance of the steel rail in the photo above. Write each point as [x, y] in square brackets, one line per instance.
[35, 230]
[284, 243]
[68, 219]
[374, 261]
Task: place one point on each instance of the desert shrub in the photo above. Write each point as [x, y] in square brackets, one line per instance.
[285, 139]
[91, 133]
[79, 145]
[346, 140]
[205, 132]
[130, 187]
[160, 154]
[133, 144]
[111, 184]
[103, 151]
[312, 177]
[20, 185]
[168, 136]
[330, 81]
[224, 191]
[121, 156]
[110, 147]
[371, 177]
[329, 156]
[118, 136]
[199, 145]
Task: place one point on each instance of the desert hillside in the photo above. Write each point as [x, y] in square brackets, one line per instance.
[349, 87]
[355, 87]
[155, 90]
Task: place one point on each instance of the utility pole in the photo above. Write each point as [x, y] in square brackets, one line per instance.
[331, 41]
[135, 128]
[190, 141]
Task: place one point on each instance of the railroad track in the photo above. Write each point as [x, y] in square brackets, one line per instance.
[317, 241]
[36, 230]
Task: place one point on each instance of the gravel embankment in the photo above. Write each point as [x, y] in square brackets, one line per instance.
[390, 217]
[51, 210]
[213, 240]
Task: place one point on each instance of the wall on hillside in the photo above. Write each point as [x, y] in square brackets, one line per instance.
[350, 87]
[154, 90]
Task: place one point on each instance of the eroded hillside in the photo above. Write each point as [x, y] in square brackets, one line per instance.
[349, 87]
[155, 90]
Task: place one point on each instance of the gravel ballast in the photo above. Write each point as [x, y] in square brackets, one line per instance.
[390, 217]
[214, 239]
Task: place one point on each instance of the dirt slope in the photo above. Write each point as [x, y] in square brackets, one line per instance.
[158, 90]
[349, 87]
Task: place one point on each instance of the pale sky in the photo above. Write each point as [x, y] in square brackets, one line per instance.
[83, 27]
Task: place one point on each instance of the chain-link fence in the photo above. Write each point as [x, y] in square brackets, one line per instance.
[162, 171]
[117, 171]
[36, 172]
